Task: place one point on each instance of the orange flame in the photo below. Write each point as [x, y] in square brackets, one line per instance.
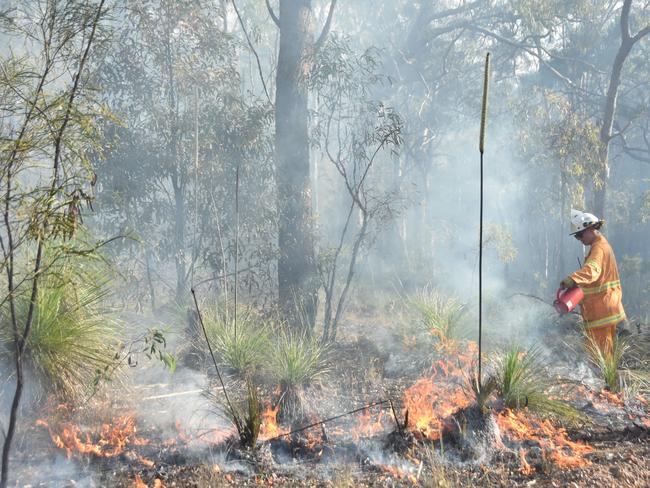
[138, 483]
[110, 441]
[431, 400]
[400, 474]
[369, 425]
[553, 441]
[269, 427]
[525, 468]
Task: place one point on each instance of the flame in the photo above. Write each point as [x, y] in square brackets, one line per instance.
[525, 468]
[369, 425]
[612, 398]
[138, 483]
[399, 473]
[431, 400]
[111, 440]
[269, 427]
[553, 441]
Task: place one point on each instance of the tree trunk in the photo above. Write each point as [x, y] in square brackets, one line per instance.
[627, 42]
[297, 281]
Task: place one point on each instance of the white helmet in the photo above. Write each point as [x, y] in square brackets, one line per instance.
[583, 220]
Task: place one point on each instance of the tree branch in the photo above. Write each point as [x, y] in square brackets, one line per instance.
[250, 45]
[625, 20]
[326, 27]
[274, 17]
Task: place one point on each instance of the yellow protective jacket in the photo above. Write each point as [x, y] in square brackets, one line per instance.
[599, 280]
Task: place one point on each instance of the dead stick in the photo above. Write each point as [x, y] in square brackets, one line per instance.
[169, 395]
[320, 422]
[233, 412]
[392, 407]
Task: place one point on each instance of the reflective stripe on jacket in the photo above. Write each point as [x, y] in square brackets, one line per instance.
[599, 280]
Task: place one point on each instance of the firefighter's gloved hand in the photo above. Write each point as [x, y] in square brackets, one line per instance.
[567, 283]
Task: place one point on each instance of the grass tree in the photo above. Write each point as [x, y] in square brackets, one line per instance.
[440, 315]
[609, 363]
[72, 337]
[240, 346]
[48, 132]
[522, 381]
[296, 360]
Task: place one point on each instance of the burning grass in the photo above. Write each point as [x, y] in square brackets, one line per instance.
[436, 423]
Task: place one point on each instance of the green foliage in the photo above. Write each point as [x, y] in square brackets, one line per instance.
[482, 389]
[297, 359]
[440, 315]
[608, 363]
[524, 382]
[500, 238]
[72, 337]
[242, 345]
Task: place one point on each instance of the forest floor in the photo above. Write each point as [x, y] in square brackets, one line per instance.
[167, 433]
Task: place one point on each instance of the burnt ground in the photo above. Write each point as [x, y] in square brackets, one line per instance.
[364, 370]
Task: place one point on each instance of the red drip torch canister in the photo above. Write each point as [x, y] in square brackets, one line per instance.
[567, 299]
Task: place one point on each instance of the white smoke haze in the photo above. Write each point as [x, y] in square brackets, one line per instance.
[213, 167]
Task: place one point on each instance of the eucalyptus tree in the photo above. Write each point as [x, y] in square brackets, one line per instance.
[172, 78]
[297, 277]
[49, 130]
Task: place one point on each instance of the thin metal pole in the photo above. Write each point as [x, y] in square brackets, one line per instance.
[486, 80]
[236, 247]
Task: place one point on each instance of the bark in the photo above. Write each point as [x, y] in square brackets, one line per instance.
[297, 286]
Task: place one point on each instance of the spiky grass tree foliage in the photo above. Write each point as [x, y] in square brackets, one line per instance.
[296, 360]
[74, 339]
[609, 363]
[523, 381]
[482, 390]
[241, 346]
[440, 315]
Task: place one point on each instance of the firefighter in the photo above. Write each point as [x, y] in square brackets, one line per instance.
[602, 308]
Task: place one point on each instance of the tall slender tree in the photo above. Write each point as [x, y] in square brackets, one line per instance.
[297, 278]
